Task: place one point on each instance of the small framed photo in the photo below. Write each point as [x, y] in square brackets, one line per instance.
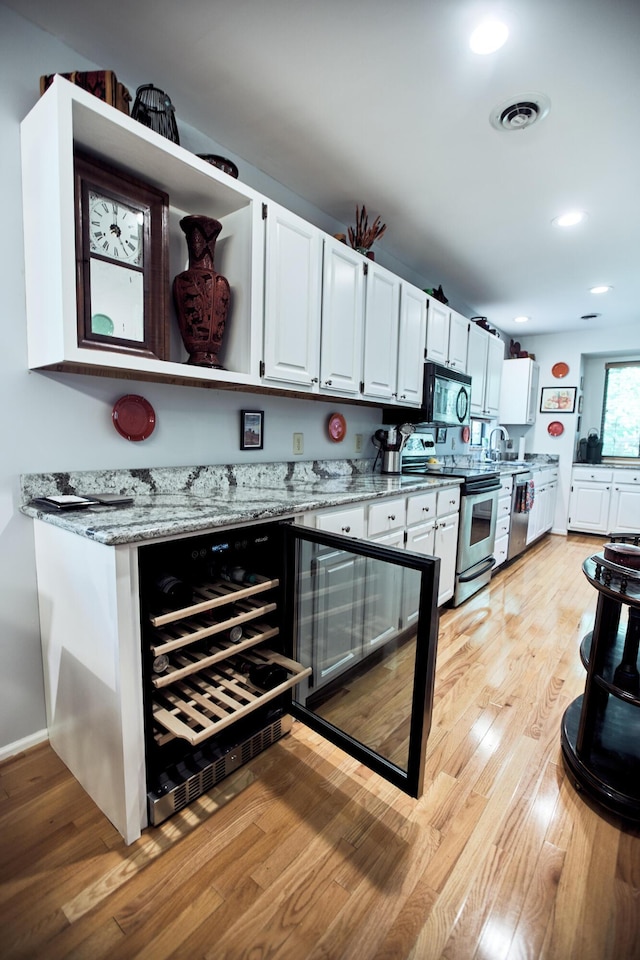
[251, 429]
[580, 399]
[441, 435]
[558, 399]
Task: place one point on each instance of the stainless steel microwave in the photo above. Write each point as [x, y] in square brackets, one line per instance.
[446, 399]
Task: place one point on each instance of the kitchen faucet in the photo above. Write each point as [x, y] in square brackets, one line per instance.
[495, 454]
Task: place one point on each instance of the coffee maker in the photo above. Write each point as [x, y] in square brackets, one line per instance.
[590, 448]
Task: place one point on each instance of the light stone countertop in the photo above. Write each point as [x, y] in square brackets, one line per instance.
[173, 501]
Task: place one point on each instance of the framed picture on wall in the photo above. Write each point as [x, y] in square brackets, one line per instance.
[580, 399]
[558, 399]
[251, 429]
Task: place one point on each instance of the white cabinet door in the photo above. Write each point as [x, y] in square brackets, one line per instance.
[437, 331]
[624, 515]
[589, 506]
[349, 521]
[382, 596]
[446, 547]
[458, 340]
[342, 318]
[382, 318]
[550, 506]
[495, 359]
[339, 610]
[477, 354]
[411, 339]
[519, 391]
[421, 538]
[292, 298]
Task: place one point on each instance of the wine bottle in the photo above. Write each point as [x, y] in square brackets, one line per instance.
[172, 592]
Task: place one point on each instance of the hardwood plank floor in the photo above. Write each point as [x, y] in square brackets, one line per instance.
[305, 855]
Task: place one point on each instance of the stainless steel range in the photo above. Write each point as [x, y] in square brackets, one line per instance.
[478, 514]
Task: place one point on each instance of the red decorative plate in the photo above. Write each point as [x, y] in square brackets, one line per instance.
[560, 370]
[337, 427]
[133, 417]
[466, 434]
[555, 428]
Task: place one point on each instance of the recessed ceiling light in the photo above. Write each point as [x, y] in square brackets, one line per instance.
[488, 37]
[603, 288]
[569, 219]
[521, 319]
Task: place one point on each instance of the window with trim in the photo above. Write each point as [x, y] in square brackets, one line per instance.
[620, 427]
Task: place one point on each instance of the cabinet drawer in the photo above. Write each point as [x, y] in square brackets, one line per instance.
[500, 550]
[504, 507]
[349, 522]
[626, 476]
[386, 515]
[592, 473]
[506, 486]
[502, 526]
[421, 507]
[448, 501]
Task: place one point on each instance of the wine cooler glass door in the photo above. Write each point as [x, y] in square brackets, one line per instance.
[352, 607]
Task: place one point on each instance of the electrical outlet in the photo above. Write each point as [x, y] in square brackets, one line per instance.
[358, 442]
[298, 443]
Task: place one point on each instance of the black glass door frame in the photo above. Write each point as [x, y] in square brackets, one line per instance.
[426, 630]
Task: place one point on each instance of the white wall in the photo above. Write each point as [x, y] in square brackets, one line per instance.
[577, 351]
[63, 422]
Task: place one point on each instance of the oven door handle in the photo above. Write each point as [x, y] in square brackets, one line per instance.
[484, 567]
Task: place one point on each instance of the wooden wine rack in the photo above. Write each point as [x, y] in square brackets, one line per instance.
[201, 691]
[205, 703]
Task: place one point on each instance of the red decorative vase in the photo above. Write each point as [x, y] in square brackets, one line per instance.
[201, 295]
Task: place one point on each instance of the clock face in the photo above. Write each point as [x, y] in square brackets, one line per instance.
[115, 230]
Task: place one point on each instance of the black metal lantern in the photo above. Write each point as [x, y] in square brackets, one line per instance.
[153, 108]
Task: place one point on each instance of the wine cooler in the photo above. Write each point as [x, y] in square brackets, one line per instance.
[244, 630]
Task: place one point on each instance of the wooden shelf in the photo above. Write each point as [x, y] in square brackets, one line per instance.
[613, 656]
[205, 703]
[192, 661]
[211, 596]
[183, 633]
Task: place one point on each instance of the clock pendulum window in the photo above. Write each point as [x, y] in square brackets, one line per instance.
[121, 246]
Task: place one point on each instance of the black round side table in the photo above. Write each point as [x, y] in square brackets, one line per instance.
[600, 733]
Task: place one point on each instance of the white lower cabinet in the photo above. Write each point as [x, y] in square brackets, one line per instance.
[624, 509]
[503, 521]
[544, 501]
[590, 499]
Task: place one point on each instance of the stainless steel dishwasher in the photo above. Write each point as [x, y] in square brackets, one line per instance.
[520, 505]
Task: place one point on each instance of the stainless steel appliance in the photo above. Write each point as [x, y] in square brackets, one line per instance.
[519, 525]
[446, 399]
[477, 527]
[245, 628]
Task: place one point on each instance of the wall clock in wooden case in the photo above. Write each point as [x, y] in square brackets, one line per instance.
[122, 260]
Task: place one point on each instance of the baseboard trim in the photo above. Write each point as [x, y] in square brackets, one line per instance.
[18, 746]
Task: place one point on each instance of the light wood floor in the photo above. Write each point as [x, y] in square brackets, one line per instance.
[304, 854]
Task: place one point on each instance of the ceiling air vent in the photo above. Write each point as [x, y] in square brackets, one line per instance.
[519, 113]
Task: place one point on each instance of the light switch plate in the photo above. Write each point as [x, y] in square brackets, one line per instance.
[298, 443]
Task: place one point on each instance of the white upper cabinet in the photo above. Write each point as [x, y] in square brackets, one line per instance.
[292, 298]
[485, 354]
[447, 336]
[382, 318]
[411, 338]
[519, 391]
[342, 318]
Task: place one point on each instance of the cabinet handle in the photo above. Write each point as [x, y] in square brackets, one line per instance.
[425, 509]
[328, 383]
[314, 379]
[395, 395]
[403, 396]
[452, 502]
[391, 516]
[346, 529]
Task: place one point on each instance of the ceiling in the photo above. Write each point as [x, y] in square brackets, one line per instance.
[363, 101]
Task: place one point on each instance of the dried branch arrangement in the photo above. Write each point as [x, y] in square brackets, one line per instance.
[364, 235]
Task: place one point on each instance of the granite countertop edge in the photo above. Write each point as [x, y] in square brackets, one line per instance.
[171, 502]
